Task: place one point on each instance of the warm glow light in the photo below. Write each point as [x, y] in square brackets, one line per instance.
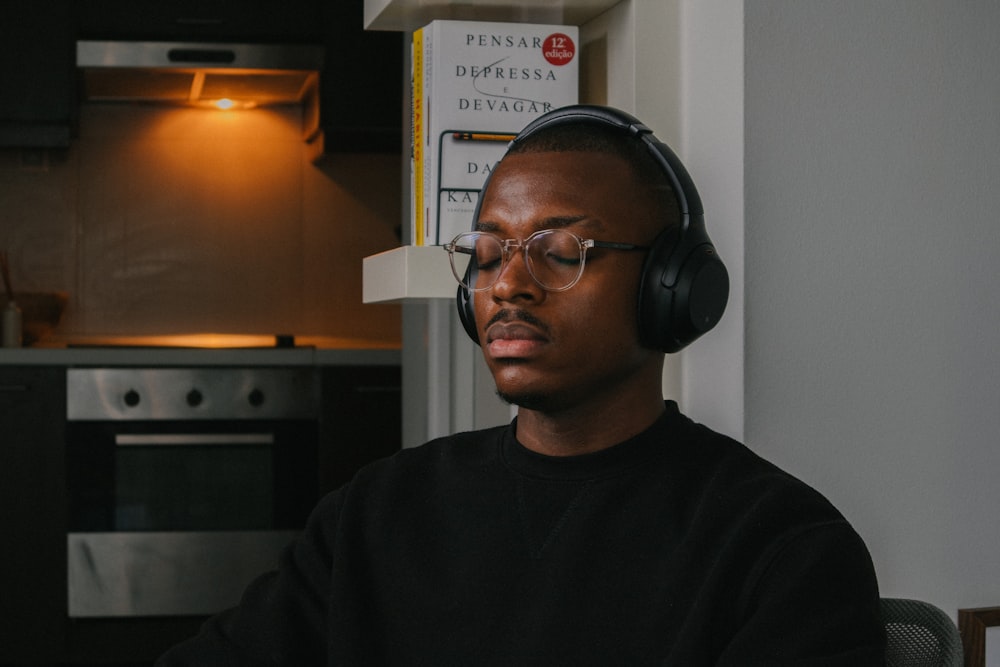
[227, 103]
[199, 340]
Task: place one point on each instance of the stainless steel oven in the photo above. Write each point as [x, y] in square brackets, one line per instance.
[184, 483]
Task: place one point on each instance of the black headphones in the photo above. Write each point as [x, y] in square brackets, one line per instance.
[684, 286]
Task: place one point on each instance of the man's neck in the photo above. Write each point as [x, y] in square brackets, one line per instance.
[585, 429]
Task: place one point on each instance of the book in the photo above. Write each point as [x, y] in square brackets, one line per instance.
[475, 85]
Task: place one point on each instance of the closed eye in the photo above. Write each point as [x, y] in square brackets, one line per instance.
[564, 260]
[487, 264]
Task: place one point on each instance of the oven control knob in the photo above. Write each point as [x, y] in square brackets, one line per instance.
[194, 398]
[256, 398]
[131, 398]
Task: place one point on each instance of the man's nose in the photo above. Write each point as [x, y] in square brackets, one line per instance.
[514, 278]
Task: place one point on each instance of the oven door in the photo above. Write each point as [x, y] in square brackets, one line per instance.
[176, 518]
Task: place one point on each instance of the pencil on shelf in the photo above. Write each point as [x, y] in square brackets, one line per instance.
[482, 136]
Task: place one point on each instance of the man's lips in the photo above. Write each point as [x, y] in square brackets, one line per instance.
[514, 335]
[512, 331]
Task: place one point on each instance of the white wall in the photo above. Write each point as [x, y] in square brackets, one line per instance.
[872, 370]
[711, 144]
[678, 66]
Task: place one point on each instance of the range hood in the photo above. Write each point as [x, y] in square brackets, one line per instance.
[199, 74]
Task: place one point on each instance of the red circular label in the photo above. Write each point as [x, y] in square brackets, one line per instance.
[558, 48]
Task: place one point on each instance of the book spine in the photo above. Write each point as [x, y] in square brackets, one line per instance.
[427, 172]
[417, 147]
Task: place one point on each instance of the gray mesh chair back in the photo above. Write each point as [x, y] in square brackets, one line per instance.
[919, 635]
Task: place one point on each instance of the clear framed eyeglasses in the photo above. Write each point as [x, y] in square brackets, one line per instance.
[554, 257]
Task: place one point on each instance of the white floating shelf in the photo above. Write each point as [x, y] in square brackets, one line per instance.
[408, 272]
[404, 15]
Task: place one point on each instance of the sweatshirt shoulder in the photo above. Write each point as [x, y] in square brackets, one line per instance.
[732, 472]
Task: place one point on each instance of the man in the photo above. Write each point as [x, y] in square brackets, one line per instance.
[601, 527]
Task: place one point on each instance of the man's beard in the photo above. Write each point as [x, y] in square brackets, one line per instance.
[528, 400]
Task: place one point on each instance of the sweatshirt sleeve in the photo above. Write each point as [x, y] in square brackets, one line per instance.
[816, 602]
[281, 619]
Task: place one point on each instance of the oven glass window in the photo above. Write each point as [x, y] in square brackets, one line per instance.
[188, 476]
[192, 487]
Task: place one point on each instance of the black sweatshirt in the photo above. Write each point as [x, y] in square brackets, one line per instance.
[676, 547]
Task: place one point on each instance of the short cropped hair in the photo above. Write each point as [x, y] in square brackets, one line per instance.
[586, 137]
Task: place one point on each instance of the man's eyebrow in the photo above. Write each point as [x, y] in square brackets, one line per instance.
[553, 222]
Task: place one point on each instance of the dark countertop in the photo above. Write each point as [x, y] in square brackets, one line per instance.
[202, 351]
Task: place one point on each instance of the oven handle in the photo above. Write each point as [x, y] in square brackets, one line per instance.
[156, 439]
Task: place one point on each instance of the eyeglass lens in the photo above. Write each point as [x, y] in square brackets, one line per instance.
[554, 258]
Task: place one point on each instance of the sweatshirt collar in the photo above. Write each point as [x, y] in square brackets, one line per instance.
[607, 462]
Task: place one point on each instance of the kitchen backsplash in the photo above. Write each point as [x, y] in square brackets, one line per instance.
[172, 220]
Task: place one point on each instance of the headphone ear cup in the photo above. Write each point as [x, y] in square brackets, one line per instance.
[467, 313]
[656, 302]
[682, 294]
[464, 298]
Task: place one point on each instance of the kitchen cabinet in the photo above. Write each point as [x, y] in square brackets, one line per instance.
[361, 419]
[294, 21]
[38, 103]
[32, 514]
[362, 84]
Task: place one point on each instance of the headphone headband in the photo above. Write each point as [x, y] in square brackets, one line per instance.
[688, 199]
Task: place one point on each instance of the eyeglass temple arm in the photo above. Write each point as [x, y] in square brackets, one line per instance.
[619, 246]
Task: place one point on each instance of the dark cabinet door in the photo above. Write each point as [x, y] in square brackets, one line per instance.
[294, 21]
[37, 92]
[32, 514]
[361, 419]
[362, 84]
